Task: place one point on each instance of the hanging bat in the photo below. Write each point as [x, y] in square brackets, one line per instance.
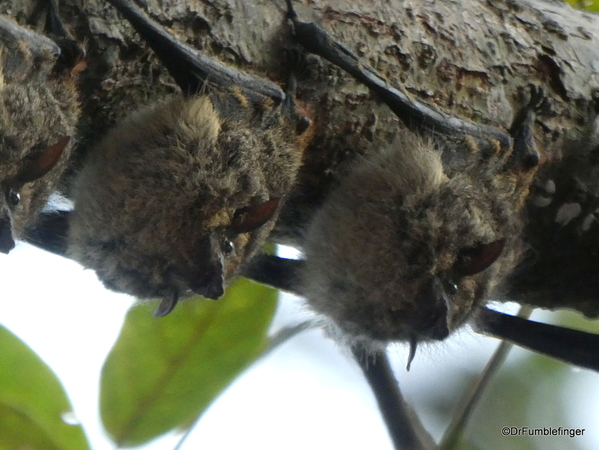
[180, 193]
[421, 233]
[358, 275]
[285, 275]
[39, 111]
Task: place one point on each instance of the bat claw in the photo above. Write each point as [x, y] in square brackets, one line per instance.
[539, 102]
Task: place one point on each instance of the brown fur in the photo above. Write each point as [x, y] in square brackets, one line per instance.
[38, 108]
[418, 235]
[172, 176]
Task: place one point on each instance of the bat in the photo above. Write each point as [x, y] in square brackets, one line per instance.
[568, 345]
[180, 193]
[39, 111]
[561, 230]
[419, 234]
[427, 120]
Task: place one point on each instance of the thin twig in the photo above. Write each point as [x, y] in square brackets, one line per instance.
[405, 429]
[471, 399]
[286, 333]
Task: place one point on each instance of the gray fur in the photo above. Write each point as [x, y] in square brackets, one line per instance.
[393, 230]
[155, 202]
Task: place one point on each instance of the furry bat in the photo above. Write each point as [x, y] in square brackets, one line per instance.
[571, 346]
[39, 111]
[416, 238]
[562, 230]
[420, 234]
[179, 194]
[568, 345]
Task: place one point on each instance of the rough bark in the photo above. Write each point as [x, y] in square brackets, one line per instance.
[473, 58]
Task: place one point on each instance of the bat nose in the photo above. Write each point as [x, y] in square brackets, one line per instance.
[209, 283]
[7, 243]
[439, 330]
[531, 160]
[434, 326]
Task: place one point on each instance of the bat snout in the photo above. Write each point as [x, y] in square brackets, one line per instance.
[210, 283]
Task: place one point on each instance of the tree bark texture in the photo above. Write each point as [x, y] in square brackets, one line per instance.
[473, 58]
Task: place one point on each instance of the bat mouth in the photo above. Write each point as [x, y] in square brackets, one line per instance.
[431, 320]
[426, 324]
[212, 291]
[207, 281]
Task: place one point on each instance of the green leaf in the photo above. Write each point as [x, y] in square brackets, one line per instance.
[589, 5]
[163, 373]
[32, 402]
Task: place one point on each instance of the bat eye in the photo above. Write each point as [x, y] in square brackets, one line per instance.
[227, 247]
[253, 217]
[473, 260]
[13, 198]
[451, 288]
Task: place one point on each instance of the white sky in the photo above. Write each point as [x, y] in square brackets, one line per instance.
[306, 394]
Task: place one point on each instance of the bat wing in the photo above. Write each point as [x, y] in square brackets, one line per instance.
[572, 346]
[188, 66]
[413, 112]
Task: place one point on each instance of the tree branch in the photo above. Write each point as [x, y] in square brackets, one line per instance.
[405, 429]
[471, 399]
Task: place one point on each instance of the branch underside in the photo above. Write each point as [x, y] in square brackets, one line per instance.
[189, 67]
[414, 113]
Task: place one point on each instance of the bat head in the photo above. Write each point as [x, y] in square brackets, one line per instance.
[406, 246]
[179, 194]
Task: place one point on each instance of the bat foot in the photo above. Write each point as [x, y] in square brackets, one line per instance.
[539, 103]
[71, 51]
[296, 62]
[525, 155]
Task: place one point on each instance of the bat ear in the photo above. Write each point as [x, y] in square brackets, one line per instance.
[473, 260]
[44, 162]
[251, 218]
